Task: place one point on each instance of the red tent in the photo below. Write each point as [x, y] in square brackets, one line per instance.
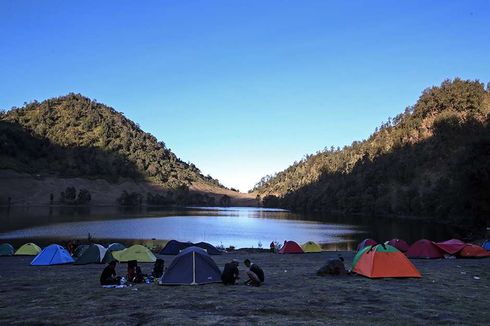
[291, 247]
[399, 244]
[424, 249]
[473, 251]
[451, 246]
[366, 242]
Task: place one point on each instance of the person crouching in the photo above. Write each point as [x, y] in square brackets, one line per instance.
[255, 273]
[230, 273]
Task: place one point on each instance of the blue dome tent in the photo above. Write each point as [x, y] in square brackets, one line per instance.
[173, 247]
[486, 245]
[210, 249]
[52, 255]
[192, 266]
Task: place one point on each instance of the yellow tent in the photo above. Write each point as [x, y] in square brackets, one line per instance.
[28, 249]
[311, 246]
[136, 252]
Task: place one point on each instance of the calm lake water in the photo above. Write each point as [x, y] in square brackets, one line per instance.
[237, 226]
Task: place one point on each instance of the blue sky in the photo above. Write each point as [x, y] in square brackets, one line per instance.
[242, 88]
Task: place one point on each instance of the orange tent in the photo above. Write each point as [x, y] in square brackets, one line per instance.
[384, 261]
[473, 251]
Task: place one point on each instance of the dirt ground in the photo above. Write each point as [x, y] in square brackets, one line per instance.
[448, 293]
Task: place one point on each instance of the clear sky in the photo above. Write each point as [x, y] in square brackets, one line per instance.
[242, 88]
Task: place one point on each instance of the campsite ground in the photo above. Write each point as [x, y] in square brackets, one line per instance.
[448, 293]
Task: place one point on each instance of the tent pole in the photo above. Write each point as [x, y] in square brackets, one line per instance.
[193, 269]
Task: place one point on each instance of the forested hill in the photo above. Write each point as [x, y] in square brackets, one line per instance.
[433, 160]
[74, 136]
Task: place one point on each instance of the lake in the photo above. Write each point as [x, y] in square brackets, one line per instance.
[234, 226]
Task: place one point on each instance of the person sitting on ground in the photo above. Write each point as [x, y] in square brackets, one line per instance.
[255, 273]
[158, 268]
[333, 267]
[108, 276]
[134, 272]
[230, 273]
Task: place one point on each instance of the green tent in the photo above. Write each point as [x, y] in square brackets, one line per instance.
[6, 249]
[28, 249]
[136, 252]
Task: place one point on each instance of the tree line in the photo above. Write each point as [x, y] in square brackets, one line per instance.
[429, 161]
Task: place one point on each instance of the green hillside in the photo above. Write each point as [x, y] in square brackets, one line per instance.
[74, 136]
[433, 160]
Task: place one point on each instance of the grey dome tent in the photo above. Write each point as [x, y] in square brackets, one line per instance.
[94, 254]
[192, 266]
[112, 247]
[79, 250]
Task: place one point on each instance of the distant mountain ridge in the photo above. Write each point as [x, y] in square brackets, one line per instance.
[95, 141]
[432, 160]
[73, 137]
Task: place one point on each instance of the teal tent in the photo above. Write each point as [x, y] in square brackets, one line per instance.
[6, 249]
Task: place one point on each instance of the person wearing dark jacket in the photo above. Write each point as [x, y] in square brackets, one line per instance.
[158, 268]
[134, 272]
[108, 276]
[255, 274]
[230, 273]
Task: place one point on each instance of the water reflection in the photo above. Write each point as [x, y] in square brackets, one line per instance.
[240, 227]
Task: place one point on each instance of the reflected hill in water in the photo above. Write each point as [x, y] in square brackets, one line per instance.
[239, 227]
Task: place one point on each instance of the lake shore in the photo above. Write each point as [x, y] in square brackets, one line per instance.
[451, 291]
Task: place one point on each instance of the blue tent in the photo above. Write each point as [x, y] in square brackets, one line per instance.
[211, 250]
[174, 247]
[191, 267]
[6, 249]
[52, 255]
[486, 245]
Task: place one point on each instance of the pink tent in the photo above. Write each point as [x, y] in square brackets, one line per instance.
[365, 243]
[424, 249]
[451, 246]
[399, 244]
